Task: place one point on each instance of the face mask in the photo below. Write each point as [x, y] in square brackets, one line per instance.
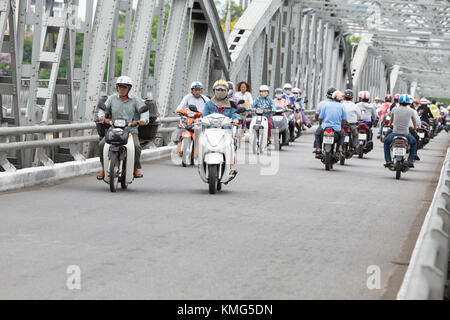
[220, 95]
[279, 96]
[264, 94]
[288, 91]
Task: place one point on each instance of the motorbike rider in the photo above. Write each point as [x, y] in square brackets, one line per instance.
[435, 111]
[244, 92]
[123, 105]
[220, 103]
[424, 111]
[332, 115]
[384, 110]
[400, 120]
[395, 103]
[298, 102]
[266, 103]
[288, 94]
[279, 100]
[319, 107]
[353, 116]
[195, 98]
[367, 111]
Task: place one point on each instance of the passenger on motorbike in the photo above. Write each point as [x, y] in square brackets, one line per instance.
[400, 120]
[332, 115]
[220, 103]
[367, 111]
[266, 103]
[288, 94]
[123, 105]
[353, 115]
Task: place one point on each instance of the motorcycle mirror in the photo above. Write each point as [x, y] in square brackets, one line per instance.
[193, 108]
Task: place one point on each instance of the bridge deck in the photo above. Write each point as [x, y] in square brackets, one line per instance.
[303, 233]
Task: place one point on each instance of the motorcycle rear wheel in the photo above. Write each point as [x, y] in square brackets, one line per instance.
[398, 170]
[328, 161]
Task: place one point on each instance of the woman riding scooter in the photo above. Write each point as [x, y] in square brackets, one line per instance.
[220, 103]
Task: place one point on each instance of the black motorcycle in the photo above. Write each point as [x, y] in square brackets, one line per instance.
[329, 154]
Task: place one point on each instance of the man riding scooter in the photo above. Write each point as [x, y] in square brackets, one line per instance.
[122, 105]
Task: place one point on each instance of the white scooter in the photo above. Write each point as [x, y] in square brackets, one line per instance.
[215, 151]
[118, 156]
[259, 128]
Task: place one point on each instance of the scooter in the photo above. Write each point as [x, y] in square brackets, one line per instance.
[329, 154]
[291, 121]
[280, 131]
[400, 150]
[215, 152]
[424, 135]
[365, 144]
[386, 129]
[259, 128]
[118, 155]
[187, 141]
[347, 150]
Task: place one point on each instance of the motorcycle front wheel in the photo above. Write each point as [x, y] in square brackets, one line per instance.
[212, 178]
[113, 178]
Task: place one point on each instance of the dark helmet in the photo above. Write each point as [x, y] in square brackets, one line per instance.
[330, 92]
[433, 101]
[388, 98]
[348, 94]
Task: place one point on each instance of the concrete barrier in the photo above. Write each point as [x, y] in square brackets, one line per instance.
[426, 276]
[38, 175]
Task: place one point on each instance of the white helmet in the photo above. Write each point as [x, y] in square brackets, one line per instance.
[197, 85]
[124, 80]
[287, 86]
[296, 90]
[264, 88]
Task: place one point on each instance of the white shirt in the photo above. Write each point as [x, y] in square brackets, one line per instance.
[353, 112]
[418, 122]
[247, 96]
[190, 99]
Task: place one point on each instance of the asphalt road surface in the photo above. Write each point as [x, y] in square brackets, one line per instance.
[298, 232]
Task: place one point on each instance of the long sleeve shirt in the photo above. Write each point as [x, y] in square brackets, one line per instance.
[128, 110]
[264, 103]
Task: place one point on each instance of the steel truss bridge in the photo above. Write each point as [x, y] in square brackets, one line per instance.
[404, 47]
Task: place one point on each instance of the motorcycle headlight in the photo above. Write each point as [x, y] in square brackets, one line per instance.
[120, 123]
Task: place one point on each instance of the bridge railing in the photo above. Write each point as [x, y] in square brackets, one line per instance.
[427, 274]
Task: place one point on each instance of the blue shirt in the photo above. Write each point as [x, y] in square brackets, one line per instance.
[332, 114]
[264, 103]
[321, 104]
[211, 108]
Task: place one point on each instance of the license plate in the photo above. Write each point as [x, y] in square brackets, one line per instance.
[328, 140]
[421, 135]
[347, 139]
[362, 136]
[399, 152]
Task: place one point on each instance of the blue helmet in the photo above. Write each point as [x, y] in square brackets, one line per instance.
[404, 99]
[278, 90]
[196, 85]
